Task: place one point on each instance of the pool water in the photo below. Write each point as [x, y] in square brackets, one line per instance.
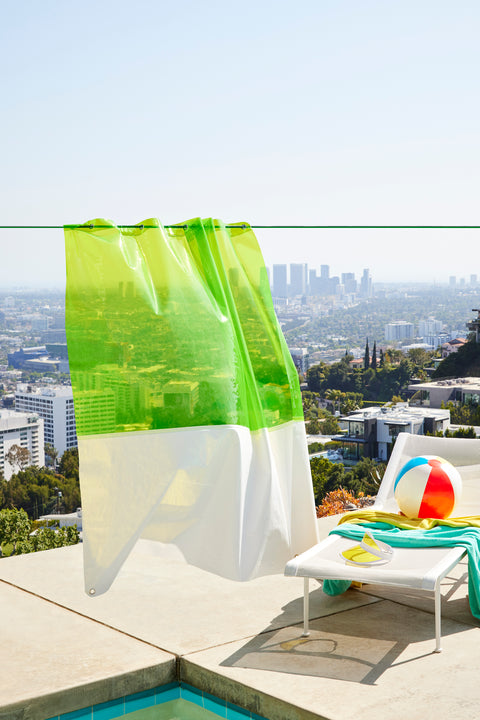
[173, 701]
[174, 710]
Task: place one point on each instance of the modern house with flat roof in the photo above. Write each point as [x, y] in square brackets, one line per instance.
[372, 432]
[433, 394]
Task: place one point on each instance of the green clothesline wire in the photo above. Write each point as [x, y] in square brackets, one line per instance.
[254, 227]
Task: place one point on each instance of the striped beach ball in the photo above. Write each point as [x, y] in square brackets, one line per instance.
[427, 487]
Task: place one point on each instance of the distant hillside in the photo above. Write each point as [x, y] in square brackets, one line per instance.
[464, 363]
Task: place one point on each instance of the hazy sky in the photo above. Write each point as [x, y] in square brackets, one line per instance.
[306, 112]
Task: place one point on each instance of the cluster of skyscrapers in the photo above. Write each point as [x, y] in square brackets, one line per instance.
[462, 282]
[305, 282]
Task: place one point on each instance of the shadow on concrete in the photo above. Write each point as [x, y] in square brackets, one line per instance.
[357, 645]
[455, 605]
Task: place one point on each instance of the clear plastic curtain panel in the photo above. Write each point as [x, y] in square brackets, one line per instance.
[187, 404]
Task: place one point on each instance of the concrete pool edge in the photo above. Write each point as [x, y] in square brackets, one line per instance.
[175, 670]
[100, 691]
[238, 693]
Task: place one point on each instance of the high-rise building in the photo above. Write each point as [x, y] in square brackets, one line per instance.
[430, 327]
[298, 278]
[55, 405]
[349, 283]
[473, 279]
[325, 272]
[280, 281]
[333, 285]
[366, 288]
[317, 285]
[24, 429]
[400, 330]
[452, 280]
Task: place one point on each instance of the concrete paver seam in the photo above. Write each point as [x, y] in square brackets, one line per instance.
[275, 629]
[87, 617]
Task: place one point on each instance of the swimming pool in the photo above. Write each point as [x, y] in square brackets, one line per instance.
[175, 701]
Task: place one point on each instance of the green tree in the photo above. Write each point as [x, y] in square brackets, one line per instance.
[393, 356]
[69, 464]
[51, 455]
[330, 426]
[14, 527]
[464, 414]
[335, 397]
[464, 363]
[366, 357]
[420, 359]
[340, 376]
[310, 402]
[36, 490]
[462, 433]
[369, 378]
[404, 372]
[365, 476]
[313, 427]
[350, 401]
[315, 447]
[340, 381]
[316, 377]
[326, 476]
[47, 538]
[374, 355]
[18, 457]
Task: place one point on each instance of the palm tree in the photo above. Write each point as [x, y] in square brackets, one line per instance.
[50, 455]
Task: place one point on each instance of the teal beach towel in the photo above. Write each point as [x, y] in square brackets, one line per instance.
[440, 536]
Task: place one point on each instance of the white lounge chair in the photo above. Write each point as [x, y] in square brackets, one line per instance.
[420, 568]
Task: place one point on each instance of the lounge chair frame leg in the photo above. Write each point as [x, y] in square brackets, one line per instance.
[438, 618]
[306, 606]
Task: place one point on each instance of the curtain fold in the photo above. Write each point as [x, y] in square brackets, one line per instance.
[187, 405]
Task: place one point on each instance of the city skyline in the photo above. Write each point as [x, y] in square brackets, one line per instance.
[23, 262]
[300, 279]
[350, 280]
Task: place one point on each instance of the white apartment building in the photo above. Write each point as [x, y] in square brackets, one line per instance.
[429, 327]
[55, 405]
[399, 330]
[24, 429]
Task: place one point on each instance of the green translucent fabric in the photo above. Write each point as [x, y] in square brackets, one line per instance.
[174, 328]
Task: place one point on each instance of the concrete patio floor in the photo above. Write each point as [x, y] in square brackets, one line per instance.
[369, 655]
